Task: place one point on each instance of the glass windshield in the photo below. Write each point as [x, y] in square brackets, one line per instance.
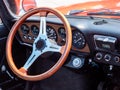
[68, 6]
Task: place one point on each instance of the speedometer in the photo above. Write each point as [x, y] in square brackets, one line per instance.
[51, 33]
[78, 40]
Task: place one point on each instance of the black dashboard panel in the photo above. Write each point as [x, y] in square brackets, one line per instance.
[88, 27]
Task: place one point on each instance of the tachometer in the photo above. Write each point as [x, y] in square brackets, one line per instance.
[78, 40]
[51, 33]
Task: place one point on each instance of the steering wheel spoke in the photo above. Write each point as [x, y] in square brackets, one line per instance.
[35, 54]
[43, 26]
[53, 47]
[42, 30]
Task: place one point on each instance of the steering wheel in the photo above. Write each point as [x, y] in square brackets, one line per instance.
[41, 45]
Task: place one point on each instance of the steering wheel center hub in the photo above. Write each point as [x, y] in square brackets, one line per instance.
[40, 45]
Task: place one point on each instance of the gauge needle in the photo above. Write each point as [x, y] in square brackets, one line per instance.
[77, 40]
[50, 35]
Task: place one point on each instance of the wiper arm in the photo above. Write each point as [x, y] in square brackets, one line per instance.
[73, 12]
[104, 13]
[95, 12]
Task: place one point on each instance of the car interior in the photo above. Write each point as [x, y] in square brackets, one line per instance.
[46, 50]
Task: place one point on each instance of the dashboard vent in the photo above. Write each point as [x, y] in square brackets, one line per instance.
[100, 22]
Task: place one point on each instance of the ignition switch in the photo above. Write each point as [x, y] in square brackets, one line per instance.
[76, 62]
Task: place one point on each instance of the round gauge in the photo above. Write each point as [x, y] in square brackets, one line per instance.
[78, 40]
[51, 33]
[35, 29]
[62, 32]
[24, 28]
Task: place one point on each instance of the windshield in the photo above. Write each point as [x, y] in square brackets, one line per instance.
[67, 6]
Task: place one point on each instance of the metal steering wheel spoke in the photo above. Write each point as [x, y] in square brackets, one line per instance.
[53, 47]
[43, 26]
[35, 54]
[42, 30]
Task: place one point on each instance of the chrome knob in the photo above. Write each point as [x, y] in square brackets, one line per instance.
[99, 56]
[107, 57]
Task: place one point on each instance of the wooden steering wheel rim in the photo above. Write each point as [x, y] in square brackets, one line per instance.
[63, 57]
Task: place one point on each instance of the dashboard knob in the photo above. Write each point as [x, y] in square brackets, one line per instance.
[107, 57]
[29, 37]
[117, 59]
[99, 56]
[25, 37]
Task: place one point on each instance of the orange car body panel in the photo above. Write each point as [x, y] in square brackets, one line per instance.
[89, 6]
[93, 6]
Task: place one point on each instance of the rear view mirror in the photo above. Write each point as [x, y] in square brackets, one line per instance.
[28, 4]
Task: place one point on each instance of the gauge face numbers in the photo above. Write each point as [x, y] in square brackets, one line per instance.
[51, 33]
[35, 29]
[24, 28]
[78, 40]
[61, 32]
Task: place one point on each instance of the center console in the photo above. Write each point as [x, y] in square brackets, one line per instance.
[106, 50]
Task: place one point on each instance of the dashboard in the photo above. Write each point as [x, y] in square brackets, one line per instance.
[97, 38]
[28, 32]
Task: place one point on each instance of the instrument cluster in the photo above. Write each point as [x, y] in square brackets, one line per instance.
[29, 31]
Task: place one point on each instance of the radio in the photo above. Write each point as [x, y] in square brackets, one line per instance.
[105, 42]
